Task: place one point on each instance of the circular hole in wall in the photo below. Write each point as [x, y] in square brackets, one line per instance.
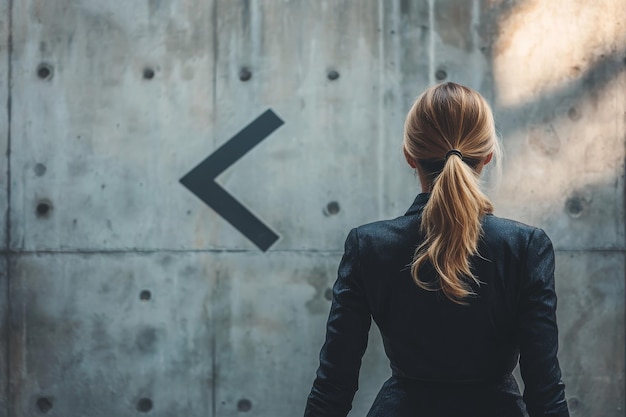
[44, 71]
[245, 74]
[574, 114]
[441, 74]
[148, 73]
[332, 208]
[144, 405]
[332, 75]
[145, 295]
[44, 208]
[573, 403]
[40, 170]
[574, 206]
[244, 405]
[44, 404]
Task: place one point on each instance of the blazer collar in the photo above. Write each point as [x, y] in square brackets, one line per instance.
[418, 204]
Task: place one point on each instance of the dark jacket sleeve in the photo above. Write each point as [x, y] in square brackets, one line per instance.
[346, 339]
[544, 392]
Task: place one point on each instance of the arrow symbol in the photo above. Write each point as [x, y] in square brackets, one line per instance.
[201, 180]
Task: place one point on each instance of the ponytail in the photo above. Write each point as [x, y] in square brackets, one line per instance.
[449, 133]
[451, 225]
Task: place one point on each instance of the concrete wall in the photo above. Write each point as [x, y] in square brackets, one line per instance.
[125, 293]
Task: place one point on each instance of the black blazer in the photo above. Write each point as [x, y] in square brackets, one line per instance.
[446, 359]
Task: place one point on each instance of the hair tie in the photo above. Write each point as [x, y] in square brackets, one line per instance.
[454, 152]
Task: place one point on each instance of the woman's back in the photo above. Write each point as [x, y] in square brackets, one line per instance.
[427, 336]
[457, 293]
[446, 357]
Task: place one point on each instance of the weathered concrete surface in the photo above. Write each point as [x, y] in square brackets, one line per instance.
[90, 340]
[229, 329]
[4, 116]
[269, 336]
[590, 286]
[4, 208]
[100, 141]
[559, 78]
[4, 329]
[211, 334]
[131, 147]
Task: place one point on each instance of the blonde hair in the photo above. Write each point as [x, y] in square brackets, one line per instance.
[446, 117]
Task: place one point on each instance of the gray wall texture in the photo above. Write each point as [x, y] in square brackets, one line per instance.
[124, 293]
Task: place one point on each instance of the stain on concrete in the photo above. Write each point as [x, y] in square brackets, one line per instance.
[101, 340]
[77, 167]
[454, 24]
[574, 114]
[147, 339]
[318, 278]
[544, 139]
[40, 170]
[165, 260]
[154, 6]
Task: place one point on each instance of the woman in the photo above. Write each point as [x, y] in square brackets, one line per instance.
[458, 293]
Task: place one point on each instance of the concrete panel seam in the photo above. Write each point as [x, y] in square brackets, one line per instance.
[7, 335]
[14, 253]
[214, 357]
[163, 251]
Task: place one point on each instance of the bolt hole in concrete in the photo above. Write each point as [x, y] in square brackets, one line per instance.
[245, 74]
[148, 73]
[244, 405]
[332, 75]
[441, 74]
[145, 295]
[40, 170]
[574, 206]
[44, 208]
[44, 404]
[331, 208]
[144, 405]
[44, 71]
[574, 114]
[573, 404]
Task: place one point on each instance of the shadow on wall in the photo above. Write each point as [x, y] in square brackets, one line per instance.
[559, 86]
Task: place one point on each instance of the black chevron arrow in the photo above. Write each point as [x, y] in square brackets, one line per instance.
[201, 180]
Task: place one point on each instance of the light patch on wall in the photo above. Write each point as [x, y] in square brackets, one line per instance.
[544, 45]
[559, 153]
[565, 175]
